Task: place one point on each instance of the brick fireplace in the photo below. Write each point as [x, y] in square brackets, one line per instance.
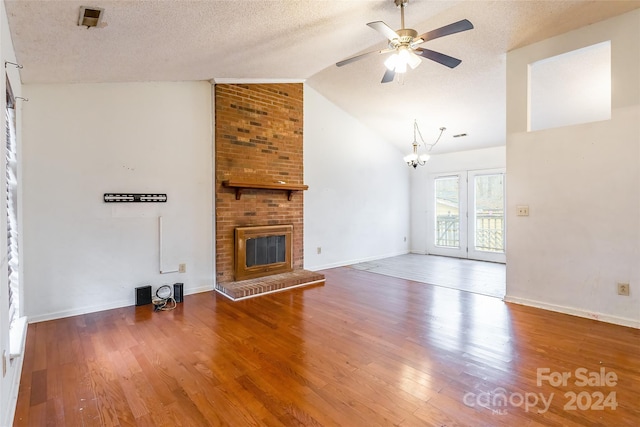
[259, 166]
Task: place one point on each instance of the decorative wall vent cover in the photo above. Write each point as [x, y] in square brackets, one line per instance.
[90, 16]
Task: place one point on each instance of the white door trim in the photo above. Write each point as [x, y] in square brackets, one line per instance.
[432, 248]
[472, 252]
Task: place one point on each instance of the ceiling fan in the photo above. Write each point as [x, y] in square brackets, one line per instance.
[404, 43]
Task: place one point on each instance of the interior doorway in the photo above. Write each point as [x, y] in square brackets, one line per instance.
[467, 215]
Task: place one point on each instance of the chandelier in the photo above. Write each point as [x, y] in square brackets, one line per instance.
[414, 159]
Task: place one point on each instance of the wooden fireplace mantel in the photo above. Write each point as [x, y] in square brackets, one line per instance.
[263, 185]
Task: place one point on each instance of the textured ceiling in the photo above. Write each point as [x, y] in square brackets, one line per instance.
[250, 40]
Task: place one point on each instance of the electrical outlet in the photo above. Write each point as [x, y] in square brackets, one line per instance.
[522, 210]
[319, 250]
[623, 289]
[182, 268]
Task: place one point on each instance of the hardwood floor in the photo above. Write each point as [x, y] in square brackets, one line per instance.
[363, 350]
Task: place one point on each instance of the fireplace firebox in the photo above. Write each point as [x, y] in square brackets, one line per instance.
[263, 251]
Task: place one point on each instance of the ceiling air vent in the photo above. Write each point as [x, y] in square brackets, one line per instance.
[90, 16]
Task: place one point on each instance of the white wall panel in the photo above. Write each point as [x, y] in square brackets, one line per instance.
[81, 141]
[357, 205]
[582, 186]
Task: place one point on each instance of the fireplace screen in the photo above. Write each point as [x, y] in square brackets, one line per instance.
[263, 250]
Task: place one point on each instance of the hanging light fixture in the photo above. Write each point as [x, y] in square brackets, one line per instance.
[414, 159]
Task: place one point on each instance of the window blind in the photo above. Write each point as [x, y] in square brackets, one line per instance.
[12, 215]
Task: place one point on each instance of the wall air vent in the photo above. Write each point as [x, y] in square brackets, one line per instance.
[90, 16]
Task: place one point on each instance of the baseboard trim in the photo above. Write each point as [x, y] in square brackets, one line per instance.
[573, 311]
[94, 309]
[78, 311]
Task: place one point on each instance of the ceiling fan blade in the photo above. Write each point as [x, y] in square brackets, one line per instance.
[361, 56]
[383, 28]
[456, 27]
[438, 57]
[388, 76]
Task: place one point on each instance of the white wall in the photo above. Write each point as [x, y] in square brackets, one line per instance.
[582, 185]
[81, 141]
[357, 205]
[421, 192]
[10, 380]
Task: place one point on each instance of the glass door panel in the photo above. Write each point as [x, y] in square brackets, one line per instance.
[447, 212]
[449, 228]
[467, 215]
[487, 226]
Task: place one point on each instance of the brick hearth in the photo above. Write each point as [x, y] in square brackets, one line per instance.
[278, 282]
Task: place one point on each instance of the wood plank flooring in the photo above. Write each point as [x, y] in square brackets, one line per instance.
[362, 350]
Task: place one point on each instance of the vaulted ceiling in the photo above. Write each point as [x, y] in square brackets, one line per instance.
[248, 40]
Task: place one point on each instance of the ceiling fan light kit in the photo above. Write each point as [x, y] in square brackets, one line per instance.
[404, 43]
[398, 61]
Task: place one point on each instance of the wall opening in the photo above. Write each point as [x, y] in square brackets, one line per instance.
[571, 88]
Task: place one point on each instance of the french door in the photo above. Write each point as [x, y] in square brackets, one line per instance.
[467, 215]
